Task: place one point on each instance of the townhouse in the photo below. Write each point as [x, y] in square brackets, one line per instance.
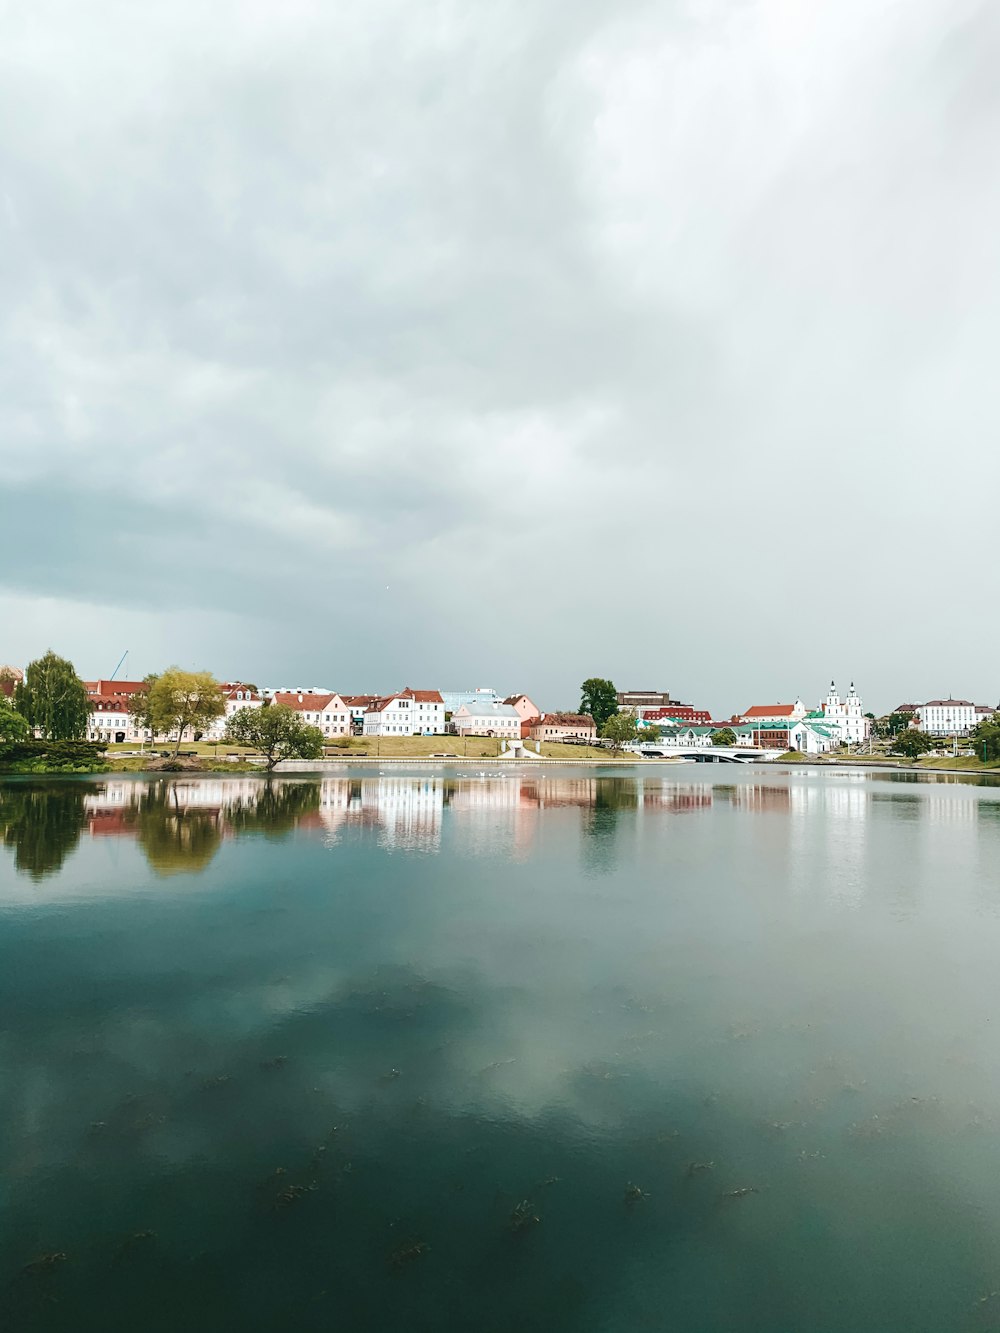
[408, 713]
[487, 719]
[329, 712]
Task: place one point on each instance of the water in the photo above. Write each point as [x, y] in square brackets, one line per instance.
[335, 1043]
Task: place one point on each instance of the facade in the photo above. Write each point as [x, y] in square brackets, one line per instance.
[487, 720]
[111, 722]
[357, 706]
[805, 735]
[677, 713]
[640, 699]
[454, 699]
[563, 726]
[329, 712]
[408, 713]
[847, 717]
[947, 717]
[527, 710]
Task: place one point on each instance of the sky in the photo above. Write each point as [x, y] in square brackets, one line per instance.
[389, 343]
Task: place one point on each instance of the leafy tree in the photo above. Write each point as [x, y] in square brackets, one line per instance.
[620, 729]
[53, 699]
[724, 736]
[138, 704]
[912, 744]
[599, 698]
[897, 722]
[986, 738]
[178, 700]
[176, 838]
[277, 731]
[276, 807]
[13, 726]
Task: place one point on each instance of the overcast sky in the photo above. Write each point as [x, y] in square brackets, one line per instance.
[381, 343]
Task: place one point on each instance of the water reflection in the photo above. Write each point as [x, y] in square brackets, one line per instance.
[180, 824]
[249, 1107]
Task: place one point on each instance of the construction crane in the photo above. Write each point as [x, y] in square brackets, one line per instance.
[119, 666]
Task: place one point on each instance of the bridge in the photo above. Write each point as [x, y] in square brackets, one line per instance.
[708, 754]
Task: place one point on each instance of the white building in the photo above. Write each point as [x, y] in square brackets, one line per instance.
[454, 699]
[482, 719]
[329, 712]
[947, 717]
[408, 713]
[847, 717]
[237, 696]
[111, 722]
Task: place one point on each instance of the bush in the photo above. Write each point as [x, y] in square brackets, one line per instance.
[51, 756]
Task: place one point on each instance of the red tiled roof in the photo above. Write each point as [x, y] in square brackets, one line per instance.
[357, 700]
[770, 710]
[566, 720]
[305, 703]
[109, 688]
[948, 703]
[422, 696]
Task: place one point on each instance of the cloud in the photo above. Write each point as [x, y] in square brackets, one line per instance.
[604, 337]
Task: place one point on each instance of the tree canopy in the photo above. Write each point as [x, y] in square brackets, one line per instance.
[620, 729]
[13, 725]
[912, 744]
[724, 736]
[180, 700]
[53, 699]
[599, 698]
[277, 731]
[986, 738]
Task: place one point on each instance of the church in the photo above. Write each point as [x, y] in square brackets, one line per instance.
[846, 716]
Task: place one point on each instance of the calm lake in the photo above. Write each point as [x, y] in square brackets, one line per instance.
[546, 1049]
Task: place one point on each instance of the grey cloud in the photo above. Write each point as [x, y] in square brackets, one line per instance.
[363, 313]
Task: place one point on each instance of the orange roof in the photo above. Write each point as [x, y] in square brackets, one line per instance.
[422, 696]
[113, 687]
[770, 710]
[566, 720]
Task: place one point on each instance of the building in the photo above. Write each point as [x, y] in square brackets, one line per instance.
[113, 689]
[640, 699]
[10, 677]
[110, 721]
[947, 717]
[237, 696]
[481, 719]
[358, 705]
[805, 735]
[527, 710]
[329, 712]
[408, 713]
[563, 726]
[846, 718]
[760, 714]
[677, 713]
[454, 699]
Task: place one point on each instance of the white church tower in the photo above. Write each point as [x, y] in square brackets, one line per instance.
[847, 717]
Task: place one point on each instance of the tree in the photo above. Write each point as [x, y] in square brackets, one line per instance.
[599, 699]
[912, 744]
[53, 699]
[177, 700]
[277, 731]
[138, 704]
[724, 736]
[13, 726]
[986, 738]
[620, 729]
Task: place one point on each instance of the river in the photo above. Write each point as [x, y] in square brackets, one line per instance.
[539, 1049]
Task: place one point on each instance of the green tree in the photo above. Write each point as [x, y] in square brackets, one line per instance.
[724, 736]
[620, 729]
[138, 704]
[13, 726]
[42, 823]
[277, 731]
[53, 699]
[599, 698]
[912, 744]
[986, 738]
[178, 700]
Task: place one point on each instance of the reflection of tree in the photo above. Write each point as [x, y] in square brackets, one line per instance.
[277, 808]
[176, 838]
[42, 822]
[611, 796]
